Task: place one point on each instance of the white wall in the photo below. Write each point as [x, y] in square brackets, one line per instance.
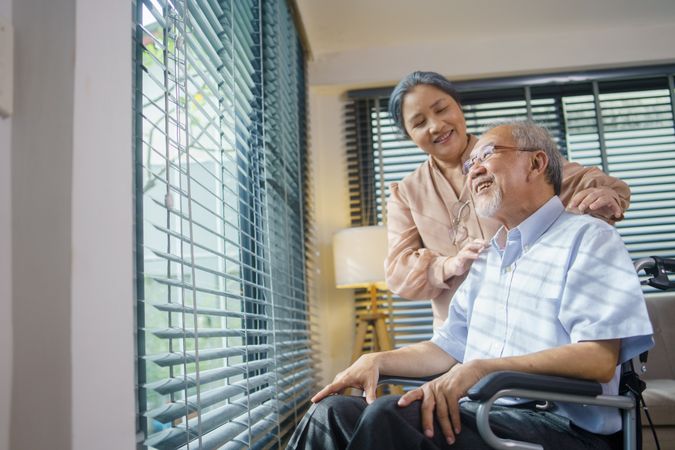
[336, 306]
[499, 55]
[5, 265]
[41, 182]
[72, 250]
[331, 75]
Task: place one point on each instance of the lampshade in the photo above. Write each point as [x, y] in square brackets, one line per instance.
[359, 254]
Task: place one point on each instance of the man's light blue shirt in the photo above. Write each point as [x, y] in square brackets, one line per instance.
[559, 278]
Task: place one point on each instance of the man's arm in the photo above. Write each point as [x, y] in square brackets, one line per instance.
[590, 360]
[416, 360]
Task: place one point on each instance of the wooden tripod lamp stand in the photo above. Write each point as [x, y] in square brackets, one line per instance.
[359, 254]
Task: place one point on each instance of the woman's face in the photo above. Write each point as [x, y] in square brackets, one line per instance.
[435, 123]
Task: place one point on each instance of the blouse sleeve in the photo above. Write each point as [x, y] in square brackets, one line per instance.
[576, 178]
[411, 270]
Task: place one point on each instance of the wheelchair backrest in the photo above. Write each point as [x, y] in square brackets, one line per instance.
[662, 355]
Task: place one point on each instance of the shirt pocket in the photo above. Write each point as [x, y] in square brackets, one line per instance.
[537, 290]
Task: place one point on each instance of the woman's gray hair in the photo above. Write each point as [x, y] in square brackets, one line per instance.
[410, 81]
[531, 135]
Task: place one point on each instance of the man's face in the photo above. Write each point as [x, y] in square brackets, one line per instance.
[499, 174]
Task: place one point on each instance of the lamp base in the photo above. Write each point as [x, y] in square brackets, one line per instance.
[381, 341]
[376, 318]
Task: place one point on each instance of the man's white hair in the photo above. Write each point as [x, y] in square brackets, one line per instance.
[531, 135]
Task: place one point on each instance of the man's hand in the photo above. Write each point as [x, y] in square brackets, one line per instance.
[363, 374]
[461, 262]
[442, 396]
[599, 200]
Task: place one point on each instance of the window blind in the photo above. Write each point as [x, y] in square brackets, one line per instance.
[223, 303]
[618, 120]
[287, 191]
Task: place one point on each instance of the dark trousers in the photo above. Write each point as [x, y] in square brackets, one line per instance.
[343, 422]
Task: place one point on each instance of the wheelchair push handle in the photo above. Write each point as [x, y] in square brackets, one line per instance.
[657, 268]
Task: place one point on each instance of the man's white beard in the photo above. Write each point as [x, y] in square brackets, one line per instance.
[488, 203]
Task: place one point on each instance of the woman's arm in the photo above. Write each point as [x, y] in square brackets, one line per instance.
[592, 191]
[413, 271]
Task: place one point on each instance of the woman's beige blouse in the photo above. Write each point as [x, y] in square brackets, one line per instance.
[419, 227]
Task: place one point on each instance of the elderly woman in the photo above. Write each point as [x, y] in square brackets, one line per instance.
[434, 234]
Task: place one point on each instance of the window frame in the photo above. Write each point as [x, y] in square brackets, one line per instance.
[237, 66]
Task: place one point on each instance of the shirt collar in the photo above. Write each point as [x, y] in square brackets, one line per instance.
[530, 229]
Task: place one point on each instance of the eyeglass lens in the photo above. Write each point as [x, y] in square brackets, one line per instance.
[483, 153]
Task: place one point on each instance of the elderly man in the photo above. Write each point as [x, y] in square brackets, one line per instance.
[553, 293]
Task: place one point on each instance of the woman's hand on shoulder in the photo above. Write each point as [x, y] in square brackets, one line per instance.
[602, 201]
[460, 263]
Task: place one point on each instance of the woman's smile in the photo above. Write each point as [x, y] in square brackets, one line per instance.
[443, 138]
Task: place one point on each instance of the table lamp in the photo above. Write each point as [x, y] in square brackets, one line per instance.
[358, 255]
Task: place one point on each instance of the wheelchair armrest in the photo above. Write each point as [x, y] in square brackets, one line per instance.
[406, 381]
[497, 381]
[548, 388]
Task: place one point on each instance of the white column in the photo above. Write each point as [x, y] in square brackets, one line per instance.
[71, 217]
[102, 277]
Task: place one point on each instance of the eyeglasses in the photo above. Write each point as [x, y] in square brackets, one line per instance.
[460, 212]
[486, 152]
[458, 231]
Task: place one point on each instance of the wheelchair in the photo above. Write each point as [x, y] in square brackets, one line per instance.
[547, 388]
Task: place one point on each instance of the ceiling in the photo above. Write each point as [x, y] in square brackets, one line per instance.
[334, 26]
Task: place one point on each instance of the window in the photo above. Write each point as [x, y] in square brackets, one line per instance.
[620, 121]
[223, 304]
